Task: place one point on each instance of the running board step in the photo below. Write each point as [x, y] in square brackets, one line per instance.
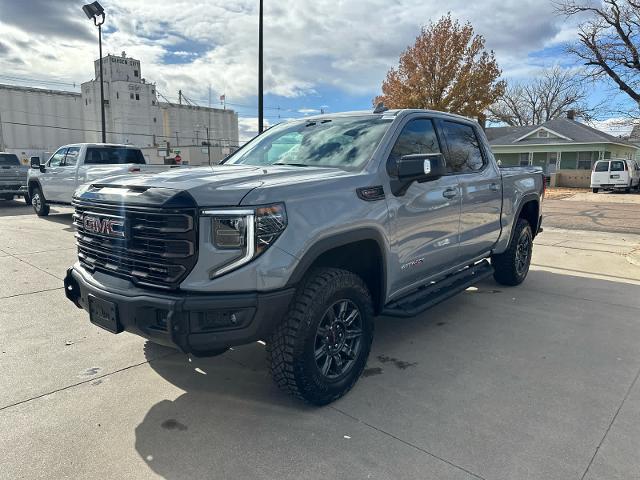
[428, 296]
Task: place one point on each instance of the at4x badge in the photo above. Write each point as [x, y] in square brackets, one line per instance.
[412, 263]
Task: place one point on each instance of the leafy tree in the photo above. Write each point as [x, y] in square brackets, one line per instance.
[549, 96]
[608, 40]
[446, 69]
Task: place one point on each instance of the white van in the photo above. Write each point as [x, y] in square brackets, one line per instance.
[615, 175]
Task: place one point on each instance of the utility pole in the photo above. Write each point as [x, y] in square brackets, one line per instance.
[208, 146]
[177, 143]
[180, 97]
[260, 76]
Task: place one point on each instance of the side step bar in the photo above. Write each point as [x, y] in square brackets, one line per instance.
[430, 295]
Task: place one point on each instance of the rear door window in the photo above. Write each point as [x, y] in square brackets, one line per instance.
[71, 158]
[465, 155]
[617, 166]
[9, 159]
[113, 156]
[602, 167]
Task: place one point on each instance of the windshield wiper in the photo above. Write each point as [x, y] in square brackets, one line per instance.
[293, 164]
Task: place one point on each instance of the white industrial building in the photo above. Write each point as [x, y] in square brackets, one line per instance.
[36, 121]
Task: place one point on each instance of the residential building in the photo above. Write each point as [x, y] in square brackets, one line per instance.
[562, 144]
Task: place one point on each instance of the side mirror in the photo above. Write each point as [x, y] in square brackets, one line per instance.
[35, 162]
[417, 168]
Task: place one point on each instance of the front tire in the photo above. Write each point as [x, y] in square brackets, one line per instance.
[319, 350]
[39, 203]
[512, 266]
[595, 190]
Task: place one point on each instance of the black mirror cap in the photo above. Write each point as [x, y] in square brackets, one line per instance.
[35, 162]
[421, 167]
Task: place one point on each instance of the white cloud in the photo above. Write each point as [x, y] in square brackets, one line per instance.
[308, 45]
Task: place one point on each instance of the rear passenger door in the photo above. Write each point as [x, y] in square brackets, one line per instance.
[425, 218]
[480, 183]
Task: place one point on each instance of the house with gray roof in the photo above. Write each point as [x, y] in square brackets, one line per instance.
[561, 144]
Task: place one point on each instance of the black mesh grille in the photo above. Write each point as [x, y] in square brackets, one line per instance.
[159, 247]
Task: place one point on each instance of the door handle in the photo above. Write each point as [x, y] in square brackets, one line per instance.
[450, 193]
[494, 187]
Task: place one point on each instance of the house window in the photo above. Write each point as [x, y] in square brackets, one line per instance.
[135, 73]
[131, 96]
[543, 134]
[524, 159]
[585, 160]
[154, 119]
[137, 96]
[117, 95]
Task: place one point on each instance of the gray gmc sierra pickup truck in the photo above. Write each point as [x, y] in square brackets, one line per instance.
[301, 237]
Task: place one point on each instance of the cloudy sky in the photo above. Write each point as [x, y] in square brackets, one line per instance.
[330, 54]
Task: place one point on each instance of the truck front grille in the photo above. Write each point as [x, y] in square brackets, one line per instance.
[152, 247]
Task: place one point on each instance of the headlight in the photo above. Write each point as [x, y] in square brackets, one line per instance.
[250, 231]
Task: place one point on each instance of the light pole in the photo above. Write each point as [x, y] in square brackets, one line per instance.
[95, 12]
[260, 75]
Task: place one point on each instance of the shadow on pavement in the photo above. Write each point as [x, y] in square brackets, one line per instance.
[15, 207]
[521, 351]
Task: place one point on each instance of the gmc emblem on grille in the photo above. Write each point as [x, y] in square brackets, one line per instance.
[112, 227]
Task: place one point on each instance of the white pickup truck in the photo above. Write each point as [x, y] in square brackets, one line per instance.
[55, 181]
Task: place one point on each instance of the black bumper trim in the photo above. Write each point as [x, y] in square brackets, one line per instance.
[182, 312]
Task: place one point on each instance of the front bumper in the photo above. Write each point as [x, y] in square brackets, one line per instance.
[200, 324]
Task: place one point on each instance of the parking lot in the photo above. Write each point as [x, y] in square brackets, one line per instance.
[534, 382]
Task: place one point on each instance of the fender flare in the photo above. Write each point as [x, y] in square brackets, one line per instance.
[30, 188]
[340, 240]
[529, 197]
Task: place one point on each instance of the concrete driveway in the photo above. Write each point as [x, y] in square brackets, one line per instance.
[533, 382]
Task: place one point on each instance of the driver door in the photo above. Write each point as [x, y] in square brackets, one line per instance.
[51, 178]
[425, 219]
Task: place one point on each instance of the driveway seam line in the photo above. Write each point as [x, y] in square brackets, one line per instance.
[92, 379]
[36, 267]
[448, 462]
[33, 293]
[613, 419]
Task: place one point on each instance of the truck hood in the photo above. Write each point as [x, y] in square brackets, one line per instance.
[221, 185]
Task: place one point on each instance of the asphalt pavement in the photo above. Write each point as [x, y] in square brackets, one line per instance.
[534, 382]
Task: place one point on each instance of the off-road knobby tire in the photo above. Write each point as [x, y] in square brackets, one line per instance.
[43, 211]
[504, 264]
[290, 348]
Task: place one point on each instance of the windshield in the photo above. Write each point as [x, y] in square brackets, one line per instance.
[9, 159]
[343, 142]
[113, 155]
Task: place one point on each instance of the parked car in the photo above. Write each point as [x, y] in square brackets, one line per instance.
[13, 177]
[301, 237]
[72, 165]
[615, 175]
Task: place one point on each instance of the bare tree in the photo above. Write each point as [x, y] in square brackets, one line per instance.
[446, 69]
[549, 96]
[608, 41]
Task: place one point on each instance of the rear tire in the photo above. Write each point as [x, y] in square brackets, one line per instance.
[319, 350]
[595, 190]
[512, 266]
[27, 199]
[39, 203]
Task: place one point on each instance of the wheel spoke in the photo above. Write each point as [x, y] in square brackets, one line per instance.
[320, 352]
[327, 365]
[349, 353]
[354, 333]
[342, 308]
[351, 317]
[338, 361]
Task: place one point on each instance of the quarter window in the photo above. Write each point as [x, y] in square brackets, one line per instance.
[417, 137]
[465, 155]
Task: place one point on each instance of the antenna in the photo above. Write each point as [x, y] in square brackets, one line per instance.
[380, 108]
